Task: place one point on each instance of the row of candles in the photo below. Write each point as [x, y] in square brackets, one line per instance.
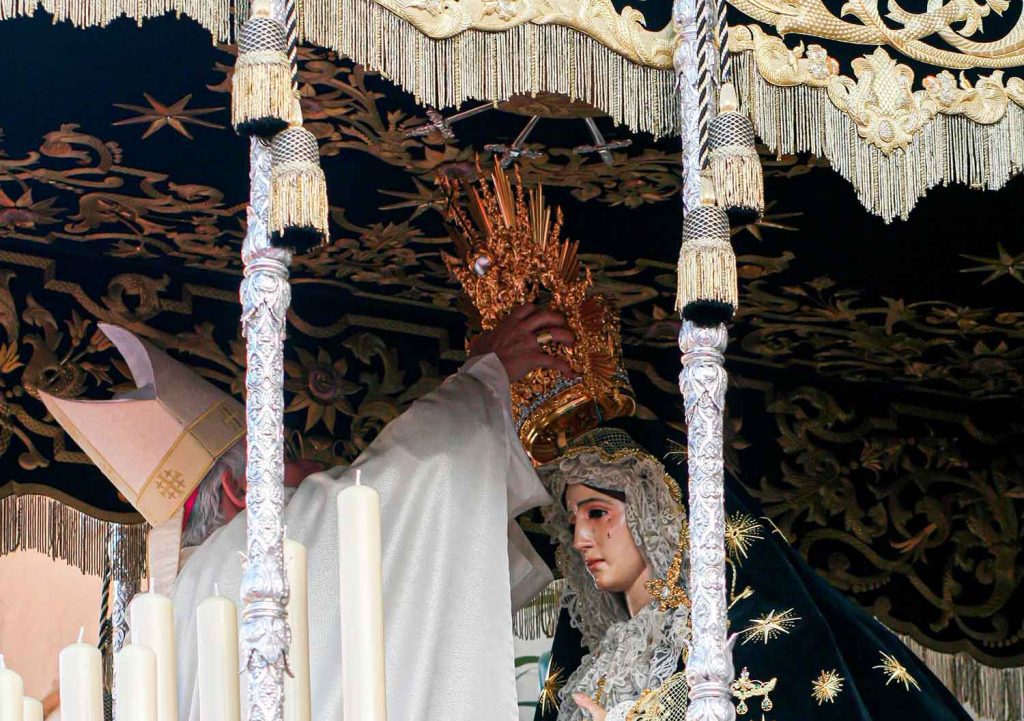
[145, 685]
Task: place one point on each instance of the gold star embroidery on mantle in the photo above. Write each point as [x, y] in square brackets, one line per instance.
[552, 685]
[770, 626]
[896, 671]
[175, 115]
[741, 531]
[827, 686]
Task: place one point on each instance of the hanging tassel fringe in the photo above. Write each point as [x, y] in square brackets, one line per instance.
[734, 163]
[707, 289]
[52, 527]
[739, 181]
[989, 694]
[526, 59]
[298, 192]
[538, 618]
[706, 275]
[262, 100]
[214, 15]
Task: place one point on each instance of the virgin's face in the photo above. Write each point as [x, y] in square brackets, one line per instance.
[601, 536]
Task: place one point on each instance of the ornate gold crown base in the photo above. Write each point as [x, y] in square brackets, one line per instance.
[549, 424]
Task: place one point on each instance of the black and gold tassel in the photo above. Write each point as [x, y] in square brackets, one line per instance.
[262, 97]
[298, 191]
[735, 164]
[707, 291]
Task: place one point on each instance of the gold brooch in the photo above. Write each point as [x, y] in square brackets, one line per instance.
[745, 687]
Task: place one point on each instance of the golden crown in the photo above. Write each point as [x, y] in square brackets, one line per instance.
[508, 252]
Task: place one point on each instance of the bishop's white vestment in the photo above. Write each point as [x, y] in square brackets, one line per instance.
[452, 475]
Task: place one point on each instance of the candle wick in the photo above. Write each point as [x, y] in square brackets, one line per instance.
[81, 633]
[359, 474]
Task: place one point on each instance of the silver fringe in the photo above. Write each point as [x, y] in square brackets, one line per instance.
[989, 694]
[42, 523]
[214, 15]
[949, 149]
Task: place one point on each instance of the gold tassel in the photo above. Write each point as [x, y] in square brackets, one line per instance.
[735, 164]
[298, 192]
[261, 93]
[707, 284]
[263, 101]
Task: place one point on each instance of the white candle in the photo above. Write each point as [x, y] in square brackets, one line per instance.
[296, 686]
[135, 684]
[12, 690]
[217, 620]
[152, 625]
[362, 604]
[32, 710]
[81, 682]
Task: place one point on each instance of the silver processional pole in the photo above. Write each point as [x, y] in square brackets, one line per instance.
[703, 382]
[265, 297]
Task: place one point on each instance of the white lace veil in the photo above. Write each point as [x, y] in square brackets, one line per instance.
[629, 654]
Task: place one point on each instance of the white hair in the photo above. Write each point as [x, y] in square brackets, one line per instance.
[207, 516]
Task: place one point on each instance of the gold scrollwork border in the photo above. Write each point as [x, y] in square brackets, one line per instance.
[890, 141]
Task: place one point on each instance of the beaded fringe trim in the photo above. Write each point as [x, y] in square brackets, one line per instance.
[738, 177]
[538, 618]
[949, 149]
[51, 527]
[990, 694]
[262, 87]
[298, 197]
[706, 271]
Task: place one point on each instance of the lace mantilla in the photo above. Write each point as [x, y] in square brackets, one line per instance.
[633, 654]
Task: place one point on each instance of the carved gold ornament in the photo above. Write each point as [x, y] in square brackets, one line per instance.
[815, 19]
[891, 140]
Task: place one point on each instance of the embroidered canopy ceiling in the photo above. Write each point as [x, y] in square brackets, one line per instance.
[878, 369]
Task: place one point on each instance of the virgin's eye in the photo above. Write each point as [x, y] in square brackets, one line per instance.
[595, 513]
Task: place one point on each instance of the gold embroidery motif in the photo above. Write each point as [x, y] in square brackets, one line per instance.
[170, 483]
[549, 691]
[827, 686]
[741, 531]
[896, 671]
[772, 625]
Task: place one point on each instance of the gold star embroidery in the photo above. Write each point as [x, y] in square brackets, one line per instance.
[896, 671]
[1002, 264]
[741, 531]
[827, 686]
[552, 685]
[770, 626]
[175, 115]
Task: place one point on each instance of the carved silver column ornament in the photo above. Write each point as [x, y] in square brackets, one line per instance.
[265, 296]
[684, 58]
[703, 381]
